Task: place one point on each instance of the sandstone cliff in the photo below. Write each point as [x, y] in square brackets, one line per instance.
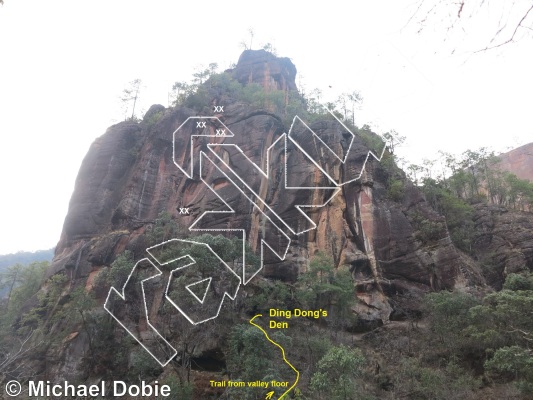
[130, 176]
[503, 242]
[519, 161]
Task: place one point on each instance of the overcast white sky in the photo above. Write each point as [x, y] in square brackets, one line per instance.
[64, 64]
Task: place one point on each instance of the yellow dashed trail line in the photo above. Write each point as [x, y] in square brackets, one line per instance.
[282, 353]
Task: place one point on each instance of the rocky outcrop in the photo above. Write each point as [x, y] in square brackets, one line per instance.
[518, 161]
[503, 242]
[265, 69]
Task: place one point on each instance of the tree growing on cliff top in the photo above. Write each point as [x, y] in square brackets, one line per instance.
[130, 95]
[243, 43]
[393, 140]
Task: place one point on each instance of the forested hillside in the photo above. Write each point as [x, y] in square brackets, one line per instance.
[11, 264]
[25, 257]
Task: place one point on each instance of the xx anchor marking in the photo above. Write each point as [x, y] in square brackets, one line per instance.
[184, 211]
[219, 109]
[200, 124]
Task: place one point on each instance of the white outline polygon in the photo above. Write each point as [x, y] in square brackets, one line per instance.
[232, 211]
[265, 204]
[192, 138]
[188, 287]
[370, 152]
[188, 265]
[123, 297]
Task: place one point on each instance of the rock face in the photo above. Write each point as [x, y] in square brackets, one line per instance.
[265, 69]
[519, 161]
[503, 243]
[128, 177]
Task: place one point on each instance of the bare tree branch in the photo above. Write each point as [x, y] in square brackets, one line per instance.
[511, 39]
[454, 11]
[525, 334]
[11, 357]
[460, 9]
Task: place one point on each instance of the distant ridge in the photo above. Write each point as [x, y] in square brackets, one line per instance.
[25, 257]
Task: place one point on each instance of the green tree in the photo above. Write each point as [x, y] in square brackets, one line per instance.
[270, 294]
[23, 282]
[522, 281]
[324, 287]
[513, 363]
[503, 319]
[457, 211]
[447, 314]
[165, 228]
[337, 372]
[393, 140]
[414, 380]
[178, 390]
[270, 48]
[9, 278]
[396, 190]
[251, 357]
[115, 275]
[414, 172]
[180, 91]
[519, 192]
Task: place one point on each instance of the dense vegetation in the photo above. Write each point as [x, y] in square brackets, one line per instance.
[208, 84]
[466, 341]
[462, 182]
